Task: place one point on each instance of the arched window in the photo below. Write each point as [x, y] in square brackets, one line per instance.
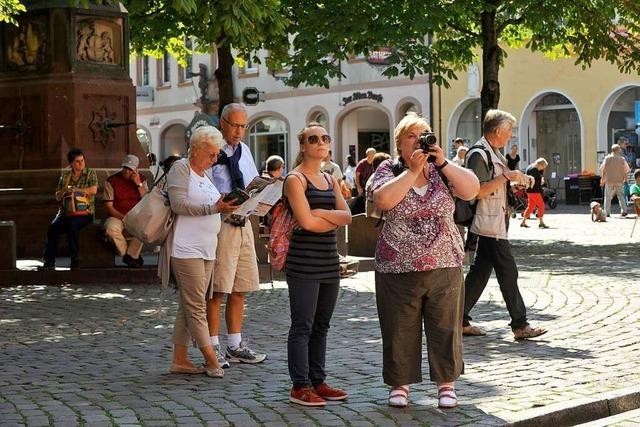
[469, 125]
[267, 137]
[173, 141]
[321, 118]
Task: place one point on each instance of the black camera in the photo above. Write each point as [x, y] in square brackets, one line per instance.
[426, 140]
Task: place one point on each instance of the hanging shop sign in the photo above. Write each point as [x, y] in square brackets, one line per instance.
[200, 119]
[379, 56]
[356, 96]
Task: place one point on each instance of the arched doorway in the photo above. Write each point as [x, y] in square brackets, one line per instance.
[362, 127]
[173, 141]
[618, 119]
[558, 132]
[267, 137]
[552, 128]
[464, 123]
[469, 126]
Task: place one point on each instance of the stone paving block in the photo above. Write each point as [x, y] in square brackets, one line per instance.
[574, 283]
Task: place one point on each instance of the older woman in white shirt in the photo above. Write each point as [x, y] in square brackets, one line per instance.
[191, 247]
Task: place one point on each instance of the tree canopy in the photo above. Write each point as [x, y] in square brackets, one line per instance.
[9, 9]
[586, 30]
[436, 37]
[222, 25]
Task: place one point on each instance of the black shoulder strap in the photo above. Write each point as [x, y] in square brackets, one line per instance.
[479, 146]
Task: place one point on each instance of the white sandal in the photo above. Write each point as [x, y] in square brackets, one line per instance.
[447, 397]
[399, 396]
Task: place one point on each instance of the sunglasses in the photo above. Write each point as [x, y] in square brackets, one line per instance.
[314, 139]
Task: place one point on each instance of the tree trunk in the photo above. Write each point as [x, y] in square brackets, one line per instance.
[224, 76]
[491, 57]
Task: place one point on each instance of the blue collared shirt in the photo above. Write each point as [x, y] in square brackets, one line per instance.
[221, 175]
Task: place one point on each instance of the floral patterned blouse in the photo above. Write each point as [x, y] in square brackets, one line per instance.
[419, 233]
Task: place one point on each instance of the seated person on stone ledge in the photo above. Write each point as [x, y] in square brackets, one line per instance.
[122, 191]
[76, 190]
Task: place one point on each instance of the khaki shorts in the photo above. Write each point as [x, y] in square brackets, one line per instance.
[236, 267]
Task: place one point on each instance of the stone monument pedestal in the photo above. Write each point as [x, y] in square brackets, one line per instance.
[64, 83]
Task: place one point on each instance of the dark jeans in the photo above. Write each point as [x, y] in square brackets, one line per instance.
[65, 224]
[495, 254]
[312, 305]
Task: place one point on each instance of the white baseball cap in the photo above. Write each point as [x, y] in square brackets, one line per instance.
[130, 161]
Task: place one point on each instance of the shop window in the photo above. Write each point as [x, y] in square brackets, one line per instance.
[268, 137]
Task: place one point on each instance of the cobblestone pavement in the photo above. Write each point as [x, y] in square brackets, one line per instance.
[99, 355]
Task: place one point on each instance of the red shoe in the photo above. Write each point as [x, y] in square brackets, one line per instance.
[306, 396]
[329, 393]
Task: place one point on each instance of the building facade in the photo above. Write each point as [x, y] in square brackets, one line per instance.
[568, 115]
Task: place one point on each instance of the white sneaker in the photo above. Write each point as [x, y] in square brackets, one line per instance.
[244, 354]
[222, 361]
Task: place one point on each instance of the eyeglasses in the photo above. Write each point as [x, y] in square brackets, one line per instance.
[314, 139]
[236, 125]
[212, 156]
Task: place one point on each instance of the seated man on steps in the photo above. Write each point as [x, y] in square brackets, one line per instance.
[122, 191]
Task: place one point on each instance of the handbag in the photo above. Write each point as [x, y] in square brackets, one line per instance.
[151, 219]
[464, 212]
[280, 237]
[76, 203]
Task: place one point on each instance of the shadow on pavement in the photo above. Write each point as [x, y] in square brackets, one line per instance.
[99, 354]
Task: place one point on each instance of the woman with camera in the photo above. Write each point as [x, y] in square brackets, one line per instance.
[418, 262]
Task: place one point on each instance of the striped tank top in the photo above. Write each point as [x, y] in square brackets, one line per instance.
[314, 256]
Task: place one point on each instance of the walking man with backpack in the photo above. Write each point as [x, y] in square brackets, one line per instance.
[491, 222]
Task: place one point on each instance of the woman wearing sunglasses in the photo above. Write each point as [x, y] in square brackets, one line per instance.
[312, 266]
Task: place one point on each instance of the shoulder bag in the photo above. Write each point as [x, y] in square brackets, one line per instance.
[151, 219]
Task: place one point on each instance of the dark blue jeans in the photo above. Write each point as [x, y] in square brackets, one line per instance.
[71, 225]
[312, 305]
[494, 254]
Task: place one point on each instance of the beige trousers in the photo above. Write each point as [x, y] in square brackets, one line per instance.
[193, 276]
[236, 262]
[114, 229]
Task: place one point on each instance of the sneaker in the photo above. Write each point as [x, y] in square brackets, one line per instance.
[306, 396]
[222, 361]
[329, 393]
[623, 214]
[46, 267]
[244, 354]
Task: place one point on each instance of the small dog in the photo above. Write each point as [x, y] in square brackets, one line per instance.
[597, 213]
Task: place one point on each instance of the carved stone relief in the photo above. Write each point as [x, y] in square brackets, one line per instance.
[98, 41]
[101, 133]
[26, 44]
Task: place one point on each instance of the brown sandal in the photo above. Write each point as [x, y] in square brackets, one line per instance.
[473, 331]
[528, 332]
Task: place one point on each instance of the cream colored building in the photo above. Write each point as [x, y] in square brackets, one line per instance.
[561, 109]
[564, 112]
[359, 111]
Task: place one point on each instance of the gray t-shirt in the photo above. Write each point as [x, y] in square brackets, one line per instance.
[478, 165]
